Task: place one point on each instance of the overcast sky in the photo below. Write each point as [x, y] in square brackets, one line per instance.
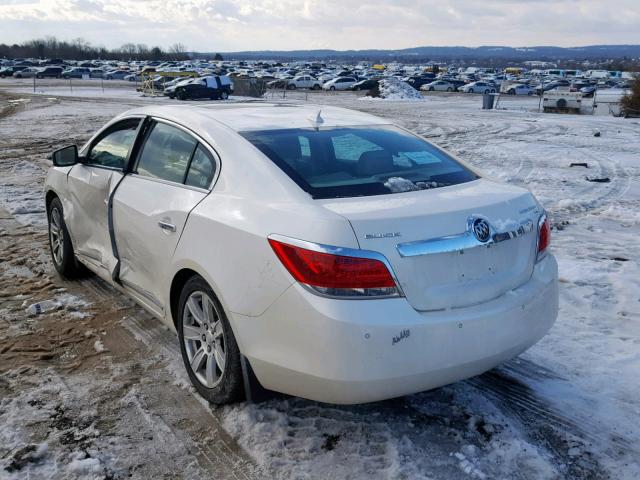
[232, 25]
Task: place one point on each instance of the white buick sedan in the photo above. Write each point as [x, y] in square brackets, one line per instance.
[316, 251]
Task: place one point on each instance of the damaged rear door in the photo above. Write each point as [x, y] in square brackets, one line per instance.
[171, 175]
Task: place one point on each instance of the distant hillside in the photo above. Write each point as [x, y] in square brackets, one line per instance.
[591, 52]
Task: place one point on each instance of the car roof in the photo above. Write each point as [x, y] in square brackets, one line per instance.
[260, 116]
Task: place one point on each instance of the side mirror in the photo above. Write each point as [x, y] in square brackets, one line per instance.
[65, 157]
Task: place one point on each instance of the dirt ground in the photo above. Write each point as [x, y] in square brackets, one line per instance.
[96, 388]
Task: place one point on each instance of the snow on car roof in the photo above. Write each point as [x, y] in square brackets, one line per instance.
[262, 116]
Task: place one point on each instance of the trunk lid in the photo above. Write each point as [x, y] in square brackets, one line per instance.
[447, 273]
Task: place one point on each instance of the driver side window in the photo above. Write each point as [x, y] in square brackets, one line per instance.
[113, 148]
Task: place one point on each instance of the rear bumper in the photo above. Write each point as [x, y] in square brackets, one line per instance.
[355, 351]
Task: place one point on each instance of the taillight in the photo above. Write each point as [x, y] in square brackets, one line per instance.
[336, 275]
[544, 236]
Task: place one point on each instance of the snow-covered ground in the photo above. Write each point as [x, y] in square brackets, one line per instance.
[567, 408]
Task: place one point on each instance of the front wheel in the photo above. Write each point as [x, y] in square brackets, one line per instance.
[181, 95]
[209, 349]
[62, 254]
[332, 88]
[431, 89]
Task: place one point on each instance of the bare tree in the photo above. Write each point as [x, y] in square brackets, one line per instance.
[178, 51]
[128, 49]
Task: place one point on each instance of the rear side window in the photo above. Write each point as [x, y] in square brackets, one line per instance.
[166, 153]
[202, 169]
[342, 162]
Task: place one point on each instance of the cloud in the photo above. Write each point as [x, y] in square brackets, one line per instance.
[226, 25]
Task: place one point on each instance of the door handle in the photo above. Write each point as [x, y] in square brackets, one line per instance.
[167, 226]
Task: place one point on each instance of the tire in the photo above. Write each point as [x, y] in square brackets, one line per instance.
[39, 76]
[206, 340]
[181, 95]
[431, 89]
[449, 89]
[487, 91]
[332, 88]
[511, 92]
[224, 95]
[316, 87]
[530, 93]
[562, 103]
[291, 87]
[60, 245]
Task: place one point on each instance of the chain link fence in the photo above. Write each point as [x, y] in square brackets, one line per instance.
[249, 87]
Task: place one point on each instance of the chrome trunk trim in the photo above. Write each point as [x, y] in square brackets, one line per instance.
[462, 241]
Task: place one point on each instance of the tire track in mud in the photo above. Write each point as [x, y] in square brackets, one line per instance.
[592, 196]
[219, 451]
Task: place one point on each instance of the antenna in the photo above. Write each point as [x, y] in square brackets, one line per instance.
[317, 123]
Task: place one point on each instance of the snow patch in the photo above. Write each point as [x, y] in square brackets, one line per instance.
[394, 89]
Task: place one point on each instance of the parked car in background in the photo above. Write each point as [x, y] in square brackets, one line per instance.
[133, 77]
[28, 72]
[478, 87]
[116, 74]
[589, 90]
[9, 71]
[96, 73]
[214, 87]
[49, 72]
[457, 83]
[438, 86]
[306, 264]
[304, 81]
[76, 72]
[418, 81]
[339, 83]
[366, 84]
[520, 89]
[576, 86]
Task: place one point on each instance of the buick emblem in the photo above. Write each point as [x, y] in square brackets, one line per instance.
[481, 229]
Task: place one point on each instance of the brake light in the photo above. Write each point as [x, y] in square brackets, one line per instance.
[544, 236]
[336, 275]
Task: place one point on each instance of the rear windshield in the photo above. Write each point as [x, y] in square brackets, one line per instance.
[358, 161]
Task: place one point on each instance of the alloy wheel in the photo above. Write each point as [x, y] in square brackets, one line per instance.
[56, 235]
[204, 339]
